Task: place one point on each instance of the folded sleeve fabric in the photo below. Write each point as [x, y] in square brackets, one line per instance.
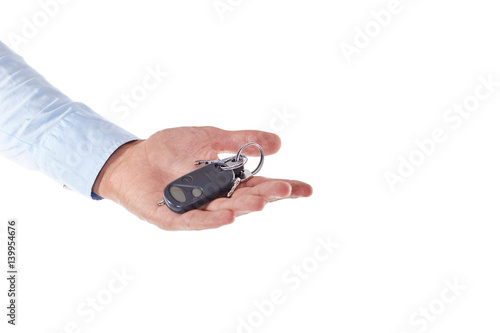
[42, 129]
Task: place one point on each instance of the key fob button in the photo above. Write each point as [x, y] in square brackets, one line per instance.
[196, 192]
[177, 193]
[187, 179]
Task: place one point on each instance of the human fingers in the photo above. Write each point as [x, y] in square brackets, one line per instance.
[299, 189]
[251, 199]
[223, 141]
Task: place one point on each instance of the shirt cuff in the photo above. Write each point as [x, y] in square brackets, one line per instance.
[78, 146]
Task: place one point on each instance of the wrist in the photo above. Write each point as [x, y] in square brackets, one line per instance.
[106, 181]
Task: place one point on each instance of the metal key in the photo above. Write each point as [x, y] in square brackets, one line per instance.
[229, 163]
[209, 182]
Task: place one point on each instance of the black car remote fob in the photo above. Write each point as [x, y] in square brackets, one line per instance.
[198, 187]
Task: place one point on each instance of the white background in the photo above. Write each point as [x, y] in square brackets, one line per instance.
[351, 122]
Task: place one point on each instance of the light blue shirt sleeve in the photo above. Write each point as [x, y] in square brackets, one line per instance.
[42, 129]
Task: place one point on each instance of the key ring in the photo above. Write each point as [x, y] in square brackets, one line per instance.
[261, 162]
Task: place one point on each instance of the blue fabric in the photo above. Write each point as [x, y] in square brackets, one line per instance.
[42, 129]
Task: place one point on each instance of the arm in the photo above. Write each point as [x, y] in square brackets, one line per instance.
[43, 129]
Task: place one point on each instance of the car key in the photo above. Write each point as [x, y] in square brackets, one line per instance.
[209, 182]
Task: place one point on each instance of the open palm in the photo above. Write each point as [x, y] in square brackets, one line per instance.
[136, 174]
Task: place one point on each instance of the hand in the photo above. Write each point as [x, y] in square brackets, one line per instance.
[136, 174]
